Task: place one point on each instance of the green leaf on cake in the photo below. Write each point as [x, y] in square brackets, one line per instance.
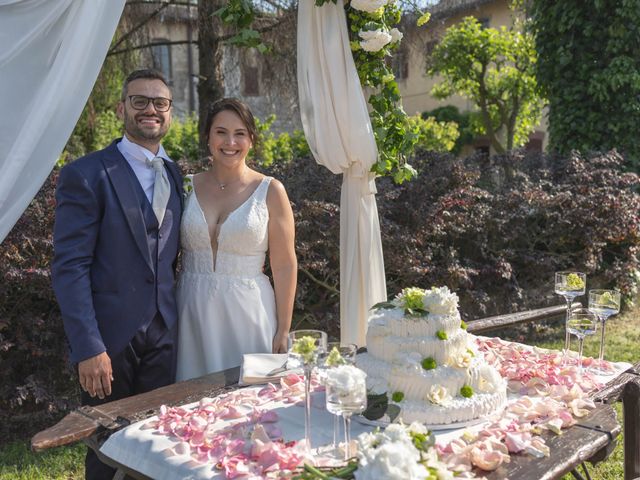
[463, 325]
[376, 406]
[385, 305]
[441, 334]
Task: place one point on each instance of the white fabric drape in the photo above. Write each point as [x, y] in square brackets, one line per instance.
[337, 127]
[51, 52]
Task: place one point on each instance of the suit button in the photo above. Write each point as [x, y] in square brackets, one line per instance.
[149, 279]
[160, 235]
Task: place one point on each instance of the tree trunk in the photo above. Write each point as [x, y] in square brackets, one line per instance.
[211, 82]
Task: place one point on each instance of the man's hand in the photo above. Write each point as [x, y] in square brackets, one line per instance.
[96, 375]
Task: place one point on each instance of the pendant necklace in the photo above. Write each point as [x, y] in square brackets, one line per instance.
[223, 185]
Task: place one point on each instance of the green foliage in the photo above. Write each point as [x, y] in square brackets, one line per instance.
[433, 135]
[17, 462]
[107, 126]
[494, 68]
[181, 142]
[278, 148]
[589, 67]
[241, 15]
[395, 135]
[449, 114]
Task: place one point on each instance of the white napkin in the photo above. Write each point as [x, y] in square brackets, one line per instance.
[256, 367]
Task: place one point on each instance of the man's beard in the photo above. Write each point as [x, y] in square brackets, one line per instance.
[133, 129]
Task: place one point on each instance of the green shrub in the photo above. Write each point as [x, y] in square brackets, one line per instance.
[450, 113]
[433, 135]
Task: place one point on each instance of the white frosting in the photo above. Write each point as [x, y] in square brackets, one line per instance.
[398, 344]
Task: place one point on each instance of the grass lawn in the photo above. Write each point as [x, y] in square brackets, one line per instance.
[17, 462]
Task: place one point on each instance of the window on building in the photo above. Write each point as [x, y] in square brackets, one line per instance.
[161, 55]
[485, 22]
[250, 81]
[399, 64]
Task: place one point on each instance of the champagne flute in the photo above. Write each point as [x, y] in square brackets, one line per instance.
[337, 354]
[346, 395]
[305, 346]
[582, 322]
[604, 303]
[570, 285]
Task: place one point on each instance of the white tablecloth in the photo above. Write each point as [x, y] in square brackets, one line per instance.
[147, 451]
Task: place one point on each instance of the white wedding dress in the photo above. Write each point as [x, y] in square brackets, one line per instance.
[226, 305]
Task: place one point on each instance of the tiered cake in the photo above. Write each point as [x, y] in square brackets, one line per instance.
[420, 354]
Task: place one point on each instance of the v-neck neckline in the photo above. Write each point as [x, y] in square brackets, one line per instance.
[214, 258]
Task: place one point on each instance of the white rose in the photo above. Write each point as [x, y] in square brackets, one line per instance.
[440, 301]
[439, 395]
[374, 40]
[391, 461]
[396, 35]
[464, 360]
[369, 6]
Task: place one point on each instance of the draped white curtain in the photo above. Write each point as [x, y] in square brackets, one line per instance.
[51, 52]
[337, 127]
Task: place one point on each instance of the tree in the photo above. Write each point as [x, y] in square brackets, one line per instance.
[494, 68]
[589, 68]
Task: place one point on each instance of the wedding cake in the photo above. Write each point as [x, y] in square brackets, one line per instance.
[420, 354]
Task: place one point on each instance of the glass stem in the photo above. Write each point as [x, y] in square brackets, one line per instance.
[581, 342]
[336, 431]
[307, 407]
[347, 435]
[567, 335]
[603, 322]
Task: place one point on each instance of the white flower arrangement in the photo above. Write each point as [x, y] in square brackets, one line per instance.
[347, 381]
[369, 6]
[374, 40]
[396, 35]
[440, 300]
[398, 452]
[437, 301]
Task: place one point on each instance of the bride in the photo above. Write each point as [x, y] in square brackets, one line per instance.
[232, 216]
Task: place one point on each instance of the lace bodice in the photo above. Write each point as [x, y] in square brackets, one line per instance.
[242, 237]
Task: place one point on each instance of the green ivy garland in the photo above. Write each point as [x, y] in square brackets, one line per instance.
[373, 38]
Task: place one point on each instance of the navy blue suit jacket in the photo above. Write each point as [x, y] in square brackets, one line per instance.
[104, 274]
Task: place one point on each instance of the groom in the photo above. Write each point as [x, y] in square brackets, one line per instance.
[116, 240]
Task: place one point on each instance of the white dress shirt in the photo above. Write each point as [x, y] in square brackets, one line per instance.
[139, 158]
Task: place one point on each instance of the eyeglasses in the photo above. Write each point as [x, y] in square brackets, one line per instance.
[140, 102]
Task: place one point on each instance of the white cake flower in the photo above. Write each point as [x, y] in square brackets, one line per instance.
[463, 360]
[439, 395]
[440, 301]
[374, 40]
[369, 6]
[396, 35]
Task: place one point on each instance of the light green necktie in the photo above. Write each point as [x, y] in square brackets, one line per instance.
[161, 189]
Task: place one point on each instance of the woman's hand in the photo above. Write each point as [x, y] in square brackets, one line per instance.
[280, 342]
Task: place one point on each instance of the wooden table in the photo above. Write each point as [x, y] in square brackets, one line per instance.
[591, 439]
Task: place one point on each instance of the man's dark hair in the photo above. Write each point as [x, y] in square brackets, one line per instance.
[147, 74]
